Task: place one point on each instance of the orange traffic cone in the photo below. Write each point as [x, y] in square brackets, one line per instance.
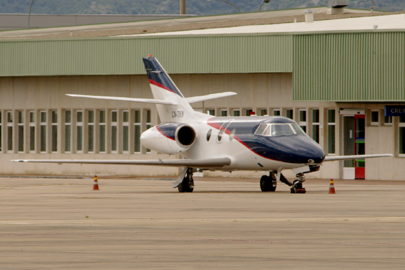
[95, 186]
[331, 187]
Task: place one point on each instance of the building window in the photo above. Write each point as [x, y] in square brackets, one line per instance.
[248, 112]
[289, 113]
[68, 130]
[331, 131]
[102, 130]
[42, 131]
[148, 124]
[236, 112]
[114, 131]
[315, 125]
[401, 135]
[31, 116]
[20, 115]
[276, 112]
[388, 120]
[303, 120]
[262, 112]
[9, 131]
[90, 131]
[125, 131]
[374, 118]
[224, 113]
[137, 133]
[211, 112]
[79, 131]
[54, 123]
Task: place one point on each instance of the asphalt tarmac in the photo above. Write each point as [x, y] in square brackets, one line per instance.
[227, 223]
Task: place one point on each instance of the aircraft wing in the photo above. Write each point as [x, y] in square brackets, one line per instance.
[144, 100]
[196, 163]
[334, 158]
[209, 97]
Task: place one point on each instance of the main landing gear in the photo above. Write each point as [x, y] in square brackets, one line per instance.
[269, 183]
[187, 185]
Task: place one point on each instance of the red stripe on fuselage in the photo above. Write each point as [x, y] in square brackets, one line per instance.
[164, 133]
[161, 86]
[219, 127]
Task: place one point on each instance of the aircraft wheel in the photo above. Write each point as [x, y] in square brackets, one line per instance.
[181, 188]
[298, 185]
[266, 184]
[186, 186]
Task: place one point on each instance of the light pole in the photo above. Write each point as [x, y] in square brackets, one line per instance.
[230, 4]
[264, 1]
[182, 6]
[29, 13]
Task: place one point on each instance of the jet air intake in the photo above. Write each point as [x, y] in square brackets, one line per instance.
[170, 138]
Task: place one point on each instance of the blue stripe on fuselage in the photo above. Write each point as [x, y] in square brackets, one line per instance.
[291, 149]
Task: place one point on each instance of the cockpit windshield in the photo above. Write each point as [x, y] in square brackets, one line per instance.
[279, 129]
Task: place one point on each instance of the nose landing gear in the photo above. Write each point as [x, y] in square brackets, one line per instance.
[187, 185]
[297, 184]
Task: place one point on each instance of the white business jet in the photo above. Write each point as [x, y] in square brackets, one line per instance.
[261, 143]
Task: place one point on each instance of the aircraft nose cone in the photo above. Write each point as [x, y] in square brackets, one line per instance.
[301, 149]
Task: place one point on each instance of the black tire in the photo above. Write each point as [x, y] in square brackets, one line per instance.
[186, 185]
[265, 183]
[299, 185]
[180, 188]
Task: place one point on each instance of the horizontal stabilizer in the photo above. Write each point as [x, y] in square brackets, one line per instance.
[144, 100]
[196, 163]
[209, 97]
[334, 158]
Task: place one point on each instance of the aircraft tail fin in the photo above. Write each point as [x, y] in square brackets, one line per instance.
[163, 88]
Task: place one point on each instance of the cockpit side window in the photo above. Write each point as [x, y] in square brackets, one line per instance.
[279, 129]
[260, 129]
[297, 129]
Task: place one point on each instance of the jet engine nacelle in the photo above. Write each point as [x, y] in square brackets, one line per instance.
[171, 138]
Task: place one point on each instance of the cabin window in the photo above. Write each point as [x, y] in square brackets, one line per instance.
[209, 134]
[220, 134]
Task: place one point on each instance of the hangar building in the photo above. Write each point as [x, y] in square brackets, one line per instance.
[335, 78]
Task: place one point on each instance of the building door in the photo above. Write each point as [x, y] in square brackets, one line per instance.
[353, 144]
